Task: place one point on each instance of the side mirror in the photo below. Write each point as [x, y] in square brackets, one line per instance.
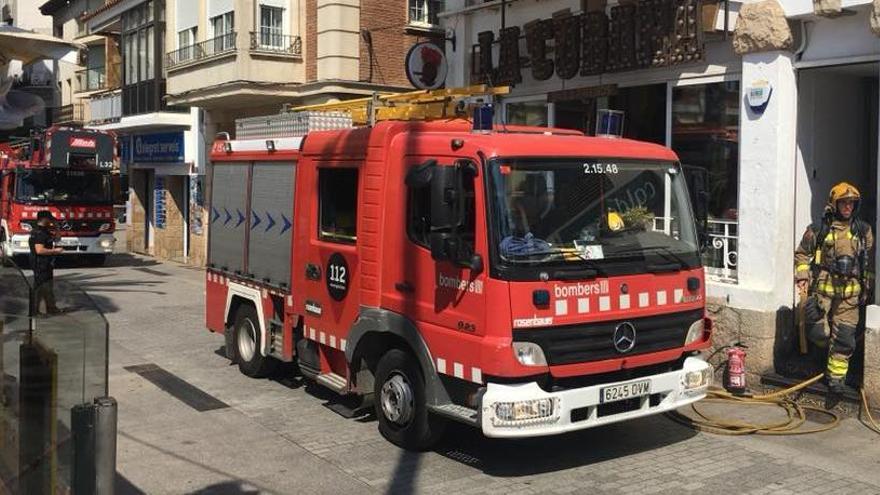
[444, 246]
[446, 198]
[419, 177]
[697, 179]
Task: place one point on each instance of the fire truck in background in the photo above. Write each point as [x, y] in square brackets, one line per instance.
[526, 281]
[66, 171]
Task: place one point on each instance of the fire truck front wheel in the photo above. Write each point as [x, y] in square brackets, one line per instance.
[400, 403]
[247, 344]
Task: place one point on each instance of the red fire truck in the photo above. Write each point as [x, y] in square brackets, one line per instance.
[526, 281]
[68, 172]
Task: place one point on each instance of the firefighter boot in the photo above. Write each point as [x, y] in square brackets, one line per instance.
[836, 388]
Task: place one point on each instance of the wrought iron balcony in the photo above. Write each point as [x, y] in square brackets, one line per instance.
[205, 49]
[268, 41]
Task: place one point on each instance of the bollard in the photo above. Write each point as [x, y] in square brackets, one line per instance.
[105, 445]
[94, 447]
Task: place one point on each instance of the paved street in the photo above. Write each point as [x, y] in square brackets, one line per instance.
[278, 436]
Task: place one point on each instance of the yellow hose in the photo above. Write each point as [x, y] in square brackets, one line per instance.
[795, 414]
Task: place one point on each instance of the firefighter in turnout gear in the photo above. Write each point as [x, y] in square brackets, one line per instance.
[832, 267]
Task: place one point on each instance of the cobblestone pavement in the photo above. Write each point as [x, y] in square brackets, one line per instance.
[279, 436]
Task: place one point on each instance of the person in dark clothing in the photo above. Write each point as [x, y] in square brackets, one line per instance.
[43, 251]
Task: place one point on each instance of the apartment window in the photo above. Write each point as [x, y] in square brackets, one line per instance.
[425, 11]
[223, 30]
[186, 40]
[337, 198]
[271, 27]
[138, 40]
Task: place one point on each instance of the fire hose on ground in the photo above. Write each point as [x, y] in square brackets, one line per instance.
[796, 414]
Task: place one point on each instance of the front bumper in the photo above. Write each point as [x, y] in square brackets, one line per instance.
[101, 244]
[667, 391]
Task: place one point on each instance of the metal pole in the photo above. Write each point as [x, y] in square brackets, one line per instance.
[105, 445]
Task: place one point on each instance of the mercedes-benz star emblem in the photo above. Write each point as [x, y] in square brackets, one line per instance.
[624, 337]
[66, 226]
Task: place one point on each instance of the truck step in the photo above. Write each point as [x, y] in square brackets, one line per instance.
[333, 381]
[458, 413]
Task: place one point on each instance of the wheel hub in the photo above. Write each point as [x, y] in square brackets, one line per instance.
[397, 399]
[247, 340]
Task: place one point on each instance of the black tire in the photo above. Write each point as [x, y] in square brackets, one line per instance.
[419, 429]
[246, 328]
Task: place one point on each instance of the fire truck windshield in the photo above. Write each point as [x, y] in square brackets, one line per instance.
[44, 186]
[601, 211]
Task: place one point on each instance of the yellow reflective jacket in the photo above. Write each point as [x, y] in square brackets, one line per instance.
[841, 239]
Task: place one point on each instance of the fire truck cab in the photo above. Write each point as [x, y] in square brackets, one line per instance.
[526, 281]
[66, 171]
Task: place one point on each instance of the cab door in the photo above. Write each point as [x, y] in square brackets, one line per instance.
[446, 298]
[331, 294]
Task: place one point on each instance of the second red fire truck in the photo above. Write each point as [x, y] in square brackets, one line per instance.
[68, 172]
[526, 281]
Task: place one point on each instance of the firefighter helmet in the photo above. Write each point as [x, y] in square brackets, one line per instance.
[843, 190]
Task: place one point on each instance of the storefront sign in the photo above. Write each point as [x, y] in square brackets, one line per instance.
[652, 33]
[426, 66]
[165, 147]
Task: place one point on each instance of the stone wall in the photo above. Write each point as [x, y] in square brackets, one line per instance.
[136, 236]
[169, 240]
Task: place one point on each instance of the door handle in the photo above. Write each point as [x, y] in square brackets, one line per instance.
[405, 287]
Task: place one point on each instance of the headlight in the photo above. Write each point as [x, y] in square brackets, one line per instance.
[107, 243]
[104, 227]
[26, 226]
[528, 411]
[698, 379]
[529, 354]
[23, 244]
[695, 332]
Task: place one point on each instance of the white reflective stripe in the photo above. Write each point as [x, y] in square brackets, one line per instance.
[644, 298]
[441, 365]
[561, 307]
[290, 300]
[265, 293]
[476, 375]
[312, 333]
[624, 301]
[333, 341]
[679, 296]
[604, 303]
[342, 345]
[91, 215]
[661, 297]
[323, 338]
[583, 305]
[458, 370]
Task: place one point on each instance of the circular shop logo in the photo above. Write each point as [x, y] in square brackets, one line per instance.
[426, 66]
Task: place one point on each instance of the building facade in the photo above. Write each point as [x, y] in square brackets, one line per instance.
[243, 58]
[36, 78]
[770, 102]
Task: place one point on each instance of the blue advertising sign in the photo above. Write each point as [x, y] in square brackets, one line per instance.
[163, 147]
[159, 202]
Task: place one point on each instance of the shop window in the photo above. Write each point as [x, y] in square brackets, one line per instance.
[337, 200]
[532, 113]
[705, 135]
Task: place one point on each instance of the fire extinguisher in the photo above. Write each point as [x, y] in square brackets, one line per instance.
[735, 370]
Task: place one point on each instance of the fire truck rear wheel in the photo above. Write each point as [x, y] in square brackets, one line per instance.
[247, 344]
[401, 406]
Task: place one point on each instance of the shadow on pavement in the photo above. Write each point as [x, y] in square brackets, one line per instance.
[227, 488]
[125, 487]
[522, 457]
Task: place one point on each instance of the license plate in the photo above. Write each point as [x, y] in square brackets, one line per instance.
[67, 242]
[624, 391]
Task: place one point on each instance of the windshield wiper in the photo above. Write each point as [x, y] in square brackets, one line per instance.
[674, 262]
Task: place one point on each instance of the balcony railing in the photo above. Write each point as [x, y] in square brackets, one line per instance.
[720, 258]
[205, 49]
[92, 79]
[267, 41]
[68, 114]
[106, 107]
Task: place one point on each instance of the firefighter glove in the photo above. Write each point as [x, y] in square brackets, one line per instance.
[813, 311]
